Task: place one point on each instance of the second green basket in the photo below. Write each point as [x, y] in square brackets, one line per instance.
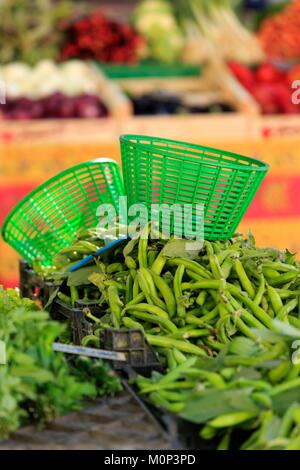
[161, 171]
[48, 218]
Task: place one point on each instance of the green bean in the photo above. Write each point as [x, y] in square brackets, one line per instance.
[163, 322]
[152, 309]
[293, 373]
[262, 399]
[114, 268]
[243, 328]
[191, 266]
[270, 273]
[210, 316]
[260, 291]
[286, 309]
[144, 287]
[224, 254]
[159, 263]
[294, 321]
[264, 304]
[151, 258]
[132, 324]
[178, 291]
[286, 294]
[194, 276]
[161, 402]
[243, 278]
[191, 319]
[129, 286]
[271, 312]
[252, 321]
[151, 288]
[257, 311]
[176, 373]
[136, 300]
[115, 305]
[226, 267]
[208, 432]
[232, 419]
[215, 267]
[278, 373]
[223, 311]
[221, 324]
[253, 383]
[283, 278]
[269, 355]
[166, 293]
[205, 284]
[215, 345]
[213, 378]
[91, 341]
[195, 333]
[130, 262]
[64, 298]
[136, 288]
[142, 251]
[172, 364]
[275, 299]
[90, 316]
[186, 385]
[179, 356]
[281, 267]
[285, 386]
[117, 285]
[287, 421]
[173, 396]
[224, 444]
[74, 295]
[182, 346]
[180, 322]
[200, 300]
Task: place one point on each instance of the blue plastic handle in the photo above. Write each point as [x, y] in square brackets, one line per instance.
[84, 261]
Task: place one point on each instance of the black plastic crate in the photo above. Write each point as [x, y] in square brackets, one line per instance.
[182, 434]
[34, 286]
[140, 356]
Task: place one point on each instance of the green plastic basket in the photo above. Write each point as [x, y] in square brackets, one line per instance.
[161, 171]
[48, 218]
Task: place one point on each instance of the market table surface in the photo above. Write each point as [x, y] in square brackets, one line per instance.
[109, 423]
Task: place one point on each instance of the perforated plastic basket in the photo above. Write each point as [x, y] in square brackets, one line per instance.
[158, 171]
[47, 219]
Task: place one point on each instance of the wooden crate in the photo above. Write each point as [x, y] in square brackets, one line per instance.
[215, 84]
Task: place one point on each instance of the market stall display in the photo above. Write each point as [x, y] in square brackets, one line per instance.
[279, 34]
[31, 32]
[99, 38]
[195, 30]
[272, 87]
[69, 90]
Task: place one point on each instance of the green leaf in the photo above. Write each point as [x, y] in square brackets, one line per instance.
[187, 249]
[81, 276]
[209, 404]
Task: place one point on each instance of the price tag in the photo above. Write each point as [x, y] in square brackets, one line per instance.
[90, 352]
